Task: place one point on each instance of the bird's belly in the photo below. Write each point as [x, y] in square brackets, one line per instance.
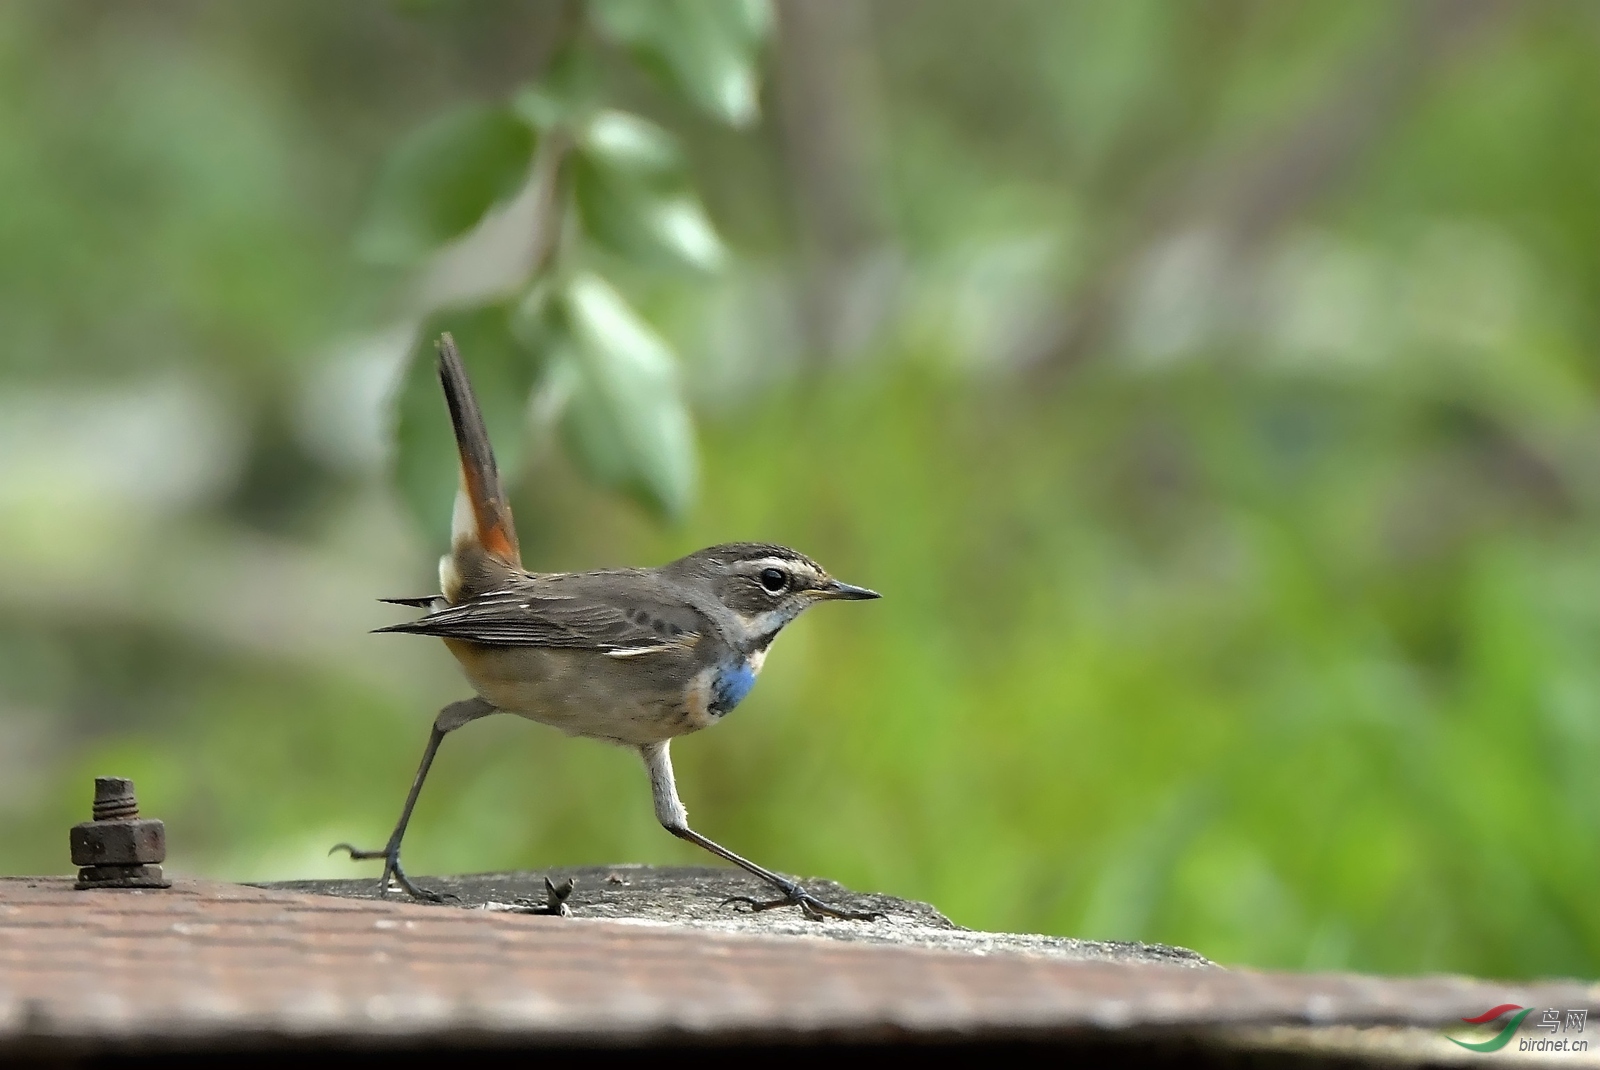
[584, 693]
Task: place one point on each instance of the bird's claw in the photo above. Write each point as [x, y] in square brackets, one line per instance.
[555, 900]
[809, 905]
[391, 868]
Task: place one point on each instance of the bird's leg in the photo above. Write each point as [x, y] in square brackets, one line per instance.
[390, 852]
[450, 718]
[791, 893]
[675, 819]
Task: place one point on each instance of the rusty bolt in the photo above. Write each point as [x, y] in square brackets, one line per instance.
[119, 849]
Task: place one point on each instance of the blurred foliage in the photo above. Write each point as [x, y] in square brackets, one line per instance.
[443, 179]
[589, 175]
[1211, 389]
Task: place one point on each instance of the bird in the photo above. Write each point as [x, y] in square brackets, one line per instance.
[631, 656]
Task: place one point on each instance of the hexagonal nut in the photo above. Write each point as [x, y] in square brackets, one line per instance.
[132, 842]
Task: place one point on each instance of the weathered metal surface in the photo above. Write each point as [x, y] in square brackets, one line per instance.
[132, 842]
[216, 964]
[696, 897]
[118, 848]
[114, 798]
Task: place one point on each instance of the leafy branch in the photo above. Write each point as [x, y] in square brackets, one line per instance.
[587, 186]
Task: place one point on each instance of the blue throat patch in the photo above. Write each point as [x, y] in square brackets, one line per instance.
[732, 684]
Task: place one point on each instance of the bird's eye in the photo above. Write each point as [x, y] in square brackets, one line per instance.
[774, 580]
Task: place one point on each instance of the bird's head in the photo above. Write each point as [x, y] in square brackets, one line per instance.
[763, 585]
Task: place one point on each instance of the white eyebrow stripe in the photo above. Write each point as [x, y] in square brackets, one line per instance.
[783, 563]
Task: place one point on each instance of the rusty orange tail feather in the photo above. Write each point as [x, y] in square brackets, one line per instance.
[490, 514]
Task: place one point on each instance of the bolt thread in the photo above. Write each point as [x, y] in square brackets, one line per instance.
[114, 799]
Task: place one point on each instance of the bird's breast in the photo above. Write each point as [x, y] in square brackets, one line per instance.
[730, 687]
[724, 686]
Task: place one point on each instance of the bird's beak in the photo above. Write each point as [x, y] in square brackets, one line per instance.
[846, 591]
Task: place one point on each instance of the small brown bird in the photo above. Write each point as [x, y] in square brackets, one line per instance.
[635, 656]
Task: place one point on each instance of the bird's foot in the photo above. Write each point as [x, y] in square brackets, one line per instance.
[812, 907]
[391, 869]
[555, 900]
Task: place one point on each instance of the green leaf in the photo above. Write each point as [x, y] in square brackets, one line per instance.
[442, 180]
[705, 47]
[626, 212]
[626, 425]
[502, 371]
[634, 145]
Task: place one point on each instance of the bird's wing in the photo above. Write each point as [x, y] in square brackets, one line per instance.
[539, 615]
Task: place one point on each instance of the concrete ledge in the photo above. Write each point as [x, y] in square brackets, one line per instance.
[694, 897]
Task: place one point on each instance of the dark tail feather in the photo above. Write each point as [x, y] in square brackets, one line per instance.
[416, 603]
[491, 524]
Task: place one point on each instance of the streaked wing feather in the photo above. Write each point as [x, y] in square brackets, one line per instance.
[529, 617]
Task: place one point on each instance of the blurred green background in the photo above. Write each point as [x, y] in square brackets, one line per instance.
[1210, 388]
